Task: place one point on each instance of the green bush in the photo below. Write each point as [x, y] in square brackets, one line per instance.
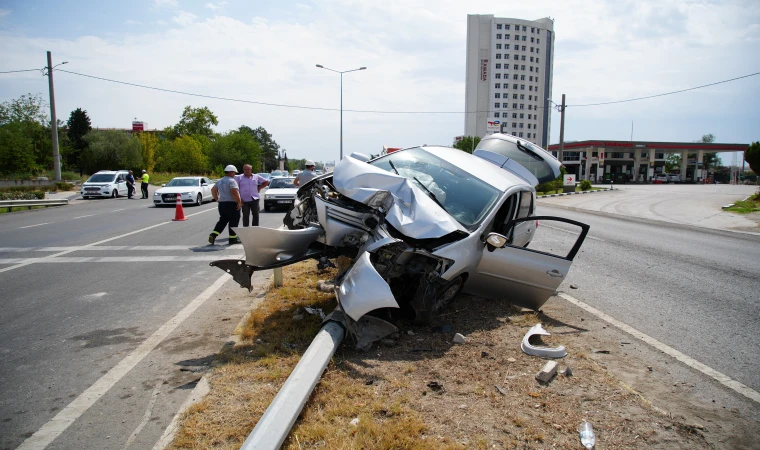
[585, 185]
[62, 186]
[69, 176]
[34, 195]
[19, 189]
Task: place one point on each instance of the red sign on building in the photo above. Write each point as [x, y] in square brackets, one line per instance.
[138, 126]
[483, 70]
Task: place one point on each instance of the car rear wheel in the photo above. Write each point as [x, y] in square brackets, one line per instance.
[199, 200]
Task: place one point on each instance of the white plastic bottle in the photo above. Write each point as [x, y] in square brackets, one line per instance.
[588, 439]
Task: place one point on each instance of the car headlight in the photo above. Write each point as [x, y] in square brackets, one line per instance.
[187, 193]
[156, 194]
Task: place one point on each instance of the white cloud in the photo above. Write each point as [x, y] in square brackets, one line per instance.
[4, 12]
[184, 18]
[415, 55]
[215, 6]
[161, 3]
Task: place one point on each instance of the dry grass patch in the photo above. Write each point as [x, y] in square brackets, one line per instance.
[421, 391]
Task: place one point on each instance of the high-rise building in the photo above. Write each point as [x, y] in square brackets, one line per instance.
[509, 77]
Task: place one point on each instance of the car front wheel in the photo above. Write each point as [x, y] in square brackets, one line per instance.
[114, 194]
[443, 296]
[199, 200]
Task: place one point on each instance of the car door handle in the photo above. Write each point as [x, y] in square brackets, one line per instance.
[554, 273]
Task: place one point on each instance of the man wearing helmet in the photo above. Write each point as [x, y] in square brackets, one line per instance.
[307, 175]
[227, 193]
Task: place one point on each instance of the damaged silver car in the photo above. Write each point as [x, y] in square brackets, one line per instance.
[420, 225]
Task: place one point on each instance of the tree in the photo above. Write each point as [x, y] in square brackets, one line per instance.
[269, 148]
[237, 148]
[195, 121]
[77, 126]
[148, 149]
[111, 150]
[16, 156]
[752, 156]
[709, 160]
[467, 143]
[29, 122]
[186, 156]
[673, 162]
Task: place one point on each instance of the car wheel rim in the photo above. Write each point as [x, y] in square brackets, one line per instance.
[199, 200]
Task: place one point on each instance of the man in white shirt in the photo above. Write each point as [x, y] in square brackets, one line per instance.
[307, 175]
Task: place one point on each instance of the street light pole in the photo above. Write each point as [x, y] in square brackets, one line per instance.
[341, 98]
[53, 119]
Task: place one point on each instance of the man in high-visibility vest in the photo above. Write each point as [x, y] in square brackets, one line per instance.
[144, 184]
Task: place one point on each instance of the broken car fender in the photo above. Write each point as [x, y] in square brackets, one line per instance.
[266, 246]
[544, 352]
[363, 289]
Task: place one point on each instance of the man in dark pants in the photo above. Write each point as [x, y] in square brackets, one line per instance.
[226, 193]
[130, 185]
[144, 184]
[249, 185]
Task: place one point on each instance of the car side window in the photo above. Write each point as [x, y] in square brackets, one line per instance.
[504, 216]
[526, 205]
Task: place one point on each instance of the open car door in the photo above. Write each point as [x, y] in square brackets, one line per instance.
[527, 277]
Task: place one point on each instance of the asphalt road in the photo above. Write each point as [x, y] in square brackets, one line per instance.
[83, 286]
[694, 289]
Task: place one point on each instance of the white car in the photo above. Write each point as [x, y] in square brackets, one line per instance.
[192, 190]
[280, 193]
[419, 225]
[661, 177]
[106, 183]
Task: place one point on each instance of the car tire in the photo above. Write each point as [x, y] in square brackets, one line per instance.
[443, 298]
[267, 208]
[114, 194]
[84, 197]
[199, 200]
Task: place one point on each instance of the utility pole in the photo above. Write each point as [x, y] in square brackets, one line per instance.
[561, 154]
[53, 121]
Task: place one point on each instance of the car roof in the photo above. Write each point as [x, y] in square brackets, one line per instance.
[492, 174]
[188, 178]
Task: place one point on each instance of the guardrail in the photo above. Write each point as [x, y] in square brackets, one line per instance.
[274, 426]
[10, 204]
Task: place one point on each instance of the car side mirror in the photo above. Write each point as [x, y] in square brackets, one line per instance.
[495, 240]
[163, 185]
[204, 184]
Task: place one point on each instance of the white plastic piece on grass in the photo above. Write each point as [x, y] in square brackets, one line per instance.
[544, 352]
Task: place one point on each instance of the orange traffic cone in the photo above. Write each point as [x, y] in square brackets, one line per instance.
[180, 214]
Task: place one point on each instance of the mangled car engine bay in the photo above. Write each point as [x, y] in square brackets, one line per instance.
[416, 227]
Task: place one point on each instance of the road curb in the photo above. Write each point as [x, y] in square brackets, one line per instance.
[202, 388]
[574, 193]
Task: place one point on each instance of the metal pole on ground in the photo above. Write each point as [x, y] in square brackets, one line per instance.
[561, 154]
[278, 277]
[274, 426]
[53, 121]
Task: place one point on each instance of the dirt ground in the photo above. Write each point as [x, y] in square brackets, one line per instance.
[421, 390]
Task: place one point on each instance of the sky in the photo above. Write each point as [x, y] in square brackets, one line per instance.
[413, 91]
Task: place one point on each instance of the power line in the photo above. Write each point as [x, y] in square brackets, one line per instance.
[284, 105]
[667, 93]
[16, 71]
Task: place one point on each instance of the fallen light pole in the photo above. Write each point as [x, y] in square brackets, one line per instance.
[274, 426]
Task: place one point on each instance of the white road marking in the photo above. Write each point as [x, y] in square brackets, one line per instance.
[117, 210]
[82, 217]
[68, 415]
[691, 362]
[38, 225]
[88, 246]
[119, 259]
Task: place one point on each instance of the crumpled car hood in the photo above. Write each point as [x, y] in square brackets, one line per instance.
[413, 213]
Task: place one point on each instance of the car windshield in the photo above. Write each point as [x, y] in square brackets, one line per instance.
[464, 196]
[282, 183]
[183, 182]
[265, 175]
[102, 178]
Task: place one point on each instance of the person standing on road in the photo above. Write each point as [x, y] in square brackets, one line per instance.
[227, 193]
[144, 184]
[307, 175]
[130, 185]
[249, 185]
